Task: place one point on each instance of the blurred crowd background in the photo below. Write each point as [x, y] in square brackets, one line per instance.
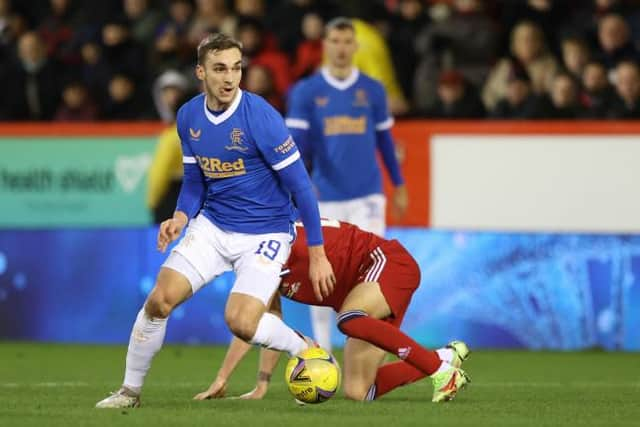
[74, 60]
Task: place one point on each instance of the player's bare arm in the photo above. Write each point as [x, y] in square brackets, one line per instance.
[400, 201]
[237, 350]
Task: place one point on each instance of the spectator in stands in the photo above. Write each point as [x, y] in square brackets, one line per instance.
[563, 101]
[76, 105]
[170, 90]
[125, 101]
[547, 15]
[210, 16]
[627, 84]
[30, 87]
[255, 9]
[529, 51]
[258, 79]
[410, 18]
[457, 99]
[171, 49]
[587, 15]
[285, 20]
[309, 51]
[406, 50]
[575, 56]
[633, 19]
[615, 42]
[597, 94]
[121, 52]
[95, 70]
[259, 48]
[143, 20]
[374, 59]
[519, 101]
[12, 25]
[58, 32]
[466, 40]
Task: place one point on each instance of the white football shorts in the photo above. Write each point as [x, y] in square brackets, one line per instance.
[367, 212]
[206, 251]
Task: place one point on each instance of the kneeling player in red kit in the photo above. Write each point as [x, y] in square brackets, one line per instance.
[375, 280]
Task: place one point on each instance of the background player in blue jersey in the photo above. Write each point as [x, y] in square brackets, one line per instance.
[339, 117]
[241, 167]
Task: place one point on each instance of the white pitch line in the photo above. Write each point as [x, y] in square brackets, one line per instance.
[533, 384]
[105, 384]
[46, 384]
[474, 384]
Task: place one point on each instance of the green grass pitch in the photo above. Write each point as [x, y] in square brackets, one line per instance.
[58, 385]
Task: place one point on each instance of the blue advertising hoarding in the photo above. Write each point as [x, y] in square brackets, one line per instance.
[536, 291]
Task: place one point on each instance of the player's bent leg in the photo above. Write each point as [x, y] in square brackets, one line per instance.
[247, 318]
[171, 289]
[361, 362]
[147, 336]
[367, 297]
[242, 314]
[360, 318]
[257, 279]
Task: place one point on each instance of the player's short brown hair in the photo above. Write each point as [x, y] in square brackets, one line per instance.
[214, 42]
[339, 23]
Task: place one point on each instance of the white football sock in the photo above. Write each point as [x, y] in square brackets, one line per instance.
[321, 321]
[446, 354]
[146, 340]
[273, 333]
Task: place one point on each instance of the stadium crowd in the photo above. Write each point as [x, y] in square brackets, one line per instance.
[76, 60]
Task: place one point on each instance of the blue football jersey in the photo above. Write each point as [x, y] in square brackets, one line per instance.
[239, 152]
[342, 117]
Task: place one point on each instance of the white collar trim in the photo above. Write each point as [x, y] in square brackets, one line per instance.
[216, 120]
[340, 84]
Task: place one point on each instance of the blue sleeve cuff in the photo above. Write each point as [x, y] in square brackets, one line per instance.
[296, 180]
[192, 191]
[385, 145]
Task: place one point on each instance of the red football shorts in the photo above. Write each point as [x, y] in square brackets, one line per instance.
[398, 274]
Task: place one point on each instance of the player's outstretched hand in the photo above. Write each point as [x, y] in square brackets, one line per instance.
[320, 272]
[170, 230]
[216, 390]
[255, 394]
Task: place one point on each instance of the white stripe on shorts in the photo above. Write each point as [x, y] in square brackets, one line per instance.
[380, 260]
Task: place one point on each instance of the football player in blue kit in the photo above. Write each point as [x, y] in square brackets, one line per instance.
[339, 119]
[241, 167]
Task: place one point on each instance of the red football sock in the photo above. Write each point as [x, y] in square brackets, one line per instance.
[384, 335]
[393, 375]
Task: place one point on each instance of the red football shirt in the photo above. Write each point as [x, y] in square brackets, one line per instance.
[348, 249]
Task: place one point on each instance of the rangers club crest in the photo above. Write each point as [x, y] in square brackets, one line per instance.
[237, 141]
